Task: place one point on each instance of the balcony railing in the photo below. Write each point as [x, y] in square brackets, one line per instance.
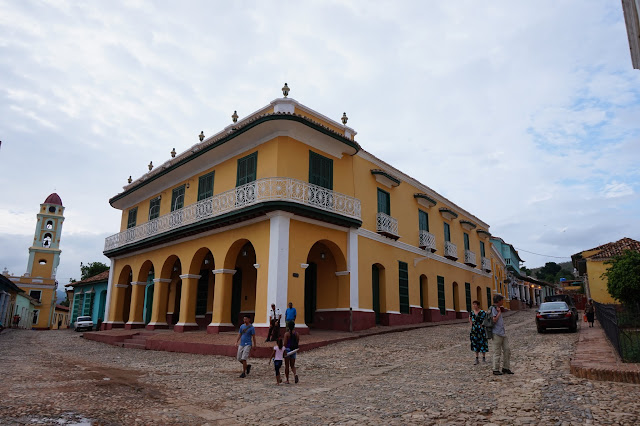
[387, 226]
[450, 250]
[486, 264]
[470, 258]
[256, 192]
[427, 241]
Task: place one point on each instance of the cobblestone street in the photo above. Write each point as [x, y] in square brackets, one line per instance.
[423, 376]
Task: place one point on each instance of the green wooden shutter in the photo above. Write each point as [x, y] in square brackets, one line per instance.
[466, 241]
[447, 232]
[488, 297]
[467, 293]
[403, 284]
[482, 249]
[441, 296]
[247, 167]
[320, 170]
[87, 305]
[133, 216]
[154, 208]
[76, 307]
[384, 202]
[423, 220]
[177, 198]
[205, 186]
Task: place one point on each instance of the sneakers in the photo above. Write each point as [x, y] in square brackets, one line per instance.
[249, 369]
[296, 380]
[476, 362]
[506, 371]
[242, 376]
[497, 373]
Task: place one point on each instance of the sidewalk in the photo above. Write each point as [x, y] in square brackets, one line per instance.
[199, 342]
[596, 359]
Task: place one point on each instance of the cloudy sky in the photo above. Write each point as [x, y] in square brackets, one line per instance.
[525, 113]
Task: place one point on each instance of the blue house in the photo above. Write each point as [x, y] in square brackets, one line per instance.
[509, 254]
[89, 297]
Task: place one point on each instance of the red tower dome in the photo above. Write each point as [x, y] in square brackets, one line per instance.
[53, 199]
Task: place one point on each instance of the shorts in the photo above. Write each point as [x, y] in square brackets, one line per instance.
[292, 356]
[243, 353]
[277, 364]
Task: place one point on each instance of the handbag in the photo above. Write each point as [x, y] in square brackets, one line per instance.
[585, 317]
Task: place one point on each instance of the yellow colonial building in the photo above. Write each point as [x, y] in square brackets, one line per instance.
[39, 281]
[282, 206]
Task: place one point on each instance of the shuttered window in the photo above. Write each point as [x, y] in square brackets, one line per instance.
[177, 198]
[467, 293]
[320, 170]
[154, 208]
[423, 220]
[489, 301]
[133, 216]
[482, 249]
[247, 167]
[466, 241]
[87, 306]
[205, 186]
[384, 202]
[441, 296]
[403, 284]
[447, 232]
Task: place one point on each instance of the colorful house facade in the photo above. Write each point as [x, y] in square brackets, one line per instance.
[285, 206]
[591, 265]
[39, 281]
[88, 297]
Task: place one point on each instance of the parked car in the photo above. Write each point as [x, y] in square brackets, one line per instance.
[562, 298]
[556, 315]
[84, 323]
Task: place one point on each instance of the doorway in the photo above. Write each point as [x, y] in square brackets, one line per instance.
[310, 292]
[375, 291]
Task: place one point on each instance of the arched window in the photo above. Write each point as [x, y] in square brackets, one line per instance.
[46, 242]
[49, 224]
[52, 209]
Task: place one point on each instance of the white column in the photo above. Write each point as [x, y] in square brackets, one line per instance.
[352, 267]
[278, 276]
[109, 285]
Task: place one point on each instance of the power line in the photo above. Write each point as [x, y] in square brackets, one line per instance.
[545, 255]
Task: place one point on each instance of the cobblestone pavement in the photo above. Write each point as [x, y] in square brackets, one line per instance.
[423, 376]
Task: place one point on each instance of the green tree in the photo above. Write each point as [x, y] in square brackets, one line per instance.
[91, 269]
[525, 270]
[563, 273]
[548, 272]
[623, 277]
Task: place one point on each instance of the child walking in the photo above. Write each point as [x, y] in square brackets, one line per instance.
[278, 355]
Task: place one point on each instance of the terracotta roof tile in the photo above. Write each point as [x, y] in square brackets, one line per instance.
[102, 276]
[610, 250]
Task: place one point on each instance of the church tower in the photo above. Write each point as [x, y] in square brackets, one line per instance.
[44, 254]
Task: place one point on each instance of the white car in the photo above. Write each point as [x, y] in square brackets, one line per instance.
[84, 323]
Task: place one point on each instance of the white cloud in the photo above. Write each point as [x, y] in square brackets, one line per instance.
[616, 189]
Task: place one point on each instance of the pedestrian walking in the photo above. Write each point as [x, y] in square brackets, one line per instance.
[274, 324]
[590, 311]
[499, 341]
[291, 343]
[478, 336]
[278, 356]
[246, 341]
[290, 314]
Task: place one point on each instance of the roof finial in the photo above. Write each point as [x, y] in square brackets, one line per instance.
[285, 90]
[201, 136]
[129, 180]
[173, 153]
[150, 165]
[234, 117]
[344, 118]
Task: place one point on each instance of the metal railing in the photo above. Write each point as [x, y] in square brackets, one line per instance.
[262, 190]
[621, 324]
[387, 225]
[427, 241]
[450, 250]
[470, 258]
[486, 264]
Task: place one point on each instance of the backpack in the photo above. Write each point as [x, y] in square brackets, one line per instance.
[488, 323]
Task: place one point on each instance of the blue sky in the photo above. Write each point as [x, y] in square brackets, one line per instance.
[524, 113]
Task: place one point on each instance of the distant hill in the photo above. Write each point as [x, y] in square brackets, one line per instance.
[564, 265]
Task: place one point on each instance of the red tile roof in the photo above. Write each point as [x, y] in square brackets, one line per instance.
[62, 308]
[102, 276]
[609, 250]
[53, 199]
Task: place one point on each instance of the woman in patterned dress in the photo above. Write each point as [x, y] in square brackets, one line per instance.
[478, 336]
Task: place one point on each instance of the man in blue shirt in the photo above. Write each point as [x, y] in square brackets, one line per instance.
[246, 341]
[290, 314]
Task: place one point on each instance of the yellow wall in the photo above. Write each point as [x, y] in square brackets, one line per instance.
[45, 270]
[597, 285]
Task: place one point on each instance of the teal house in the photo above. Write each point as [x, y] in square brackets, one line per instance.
[89, 297]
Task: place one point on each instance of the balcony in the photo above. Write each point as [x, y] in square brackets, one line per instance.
[486, 264]
[387, 226]
[470, 258]
[427, 241]
[450, 250]
[253, 193]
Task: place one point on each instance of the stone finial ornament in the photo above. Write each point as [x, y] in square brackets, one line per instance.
[201, 136]
[285, 90]
[234, 117]
[129, 180]
[150, 165]
[344, 118]
[173, 153]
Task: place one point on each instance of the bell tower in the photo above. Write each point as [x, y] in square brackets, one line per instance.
[44, 254]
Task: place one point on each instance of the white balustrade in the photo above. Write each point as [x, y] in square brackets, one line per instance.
[259, 191]
[387, 225]
[470, 258]
[486, 264]
[450, 250]
[427, 241]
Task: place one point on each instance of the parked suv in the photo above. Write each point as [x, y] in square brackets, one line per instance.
[84, 323]
[562, 298]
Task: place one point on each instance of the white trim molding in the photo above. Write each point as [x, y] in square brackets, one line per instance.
[221, 324]
[138, 283]
[187, 276]
[416, 306]
[391, 312]
[304, 265]
[224, 271]
[342, 273]
[186, 324]
[121, 285]
[162, 280]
